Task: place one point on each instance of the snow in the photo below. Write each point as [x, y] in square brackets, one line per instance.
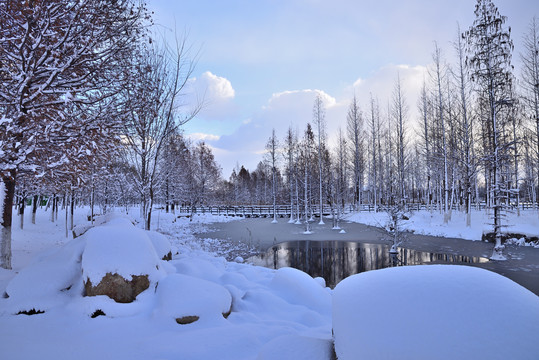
[181, 295]
[38, 285]
[448, 311]
[160, 243]
[298, 288]
[296, 347]
[431, 223]
[275, 314]
[267, 309]
[118, 247]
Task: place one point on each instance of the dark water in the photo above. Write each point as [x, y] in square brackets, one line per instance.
[336, 260]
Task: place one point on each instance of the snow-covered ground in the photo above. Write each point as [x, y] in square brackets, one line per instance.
[244, 311]
[432, 223]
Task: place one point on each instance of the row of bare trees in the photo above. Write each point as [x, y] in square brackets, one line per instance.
[91, 111]
[477, 139]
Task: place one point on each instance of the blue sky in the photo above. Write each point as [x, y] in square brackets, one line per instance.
[262, 62]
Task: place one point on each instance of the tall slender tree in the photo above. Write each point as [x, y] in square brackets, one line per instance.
[355, 136]
[530, 82]
[319, 119]
[272, 150]
[438, 75]
[400, 111]
[490, 48]
[289, 153]
[466, 124]
[373, 122]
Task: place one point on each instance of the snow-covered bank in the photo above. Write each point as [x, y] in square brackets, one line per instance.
[200, 306]
[261, 306]
[432, 223]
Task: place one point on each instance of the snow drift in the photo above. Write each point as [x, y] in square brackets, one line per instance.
[448, 311]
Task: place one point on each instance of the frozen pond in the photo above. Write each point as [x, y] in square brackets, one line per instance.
[336, 260]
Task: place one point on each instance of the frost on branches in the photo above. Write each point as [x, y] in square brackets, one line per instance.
[59, 61]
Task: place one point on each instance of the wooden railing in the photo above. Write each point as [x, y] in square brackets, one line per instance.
[284, 210]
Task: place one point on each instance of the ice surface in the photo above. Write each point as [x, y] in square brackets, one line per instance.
[448, 311]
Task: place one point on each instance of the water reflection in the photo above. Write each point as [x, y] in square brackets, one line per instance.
[336, 260]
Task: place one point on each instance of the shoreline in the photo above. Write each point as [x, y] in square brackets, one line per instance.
[521, 266]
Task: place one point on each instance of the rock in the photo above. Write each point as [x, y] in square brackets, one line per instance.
[97, 313]
[117, 288]
[184, 320]
[30, 312]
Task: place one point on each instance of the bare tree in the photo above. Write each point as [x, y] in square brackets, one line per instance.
[465, 124]
[530, 82]
[373, 125]
[355, 135]
[424, 104]
[289, 152]
[157, 79]
[319, 115]
[272, 148]
[490, 48]
[54, 53]
[438, 75]
[400, 110]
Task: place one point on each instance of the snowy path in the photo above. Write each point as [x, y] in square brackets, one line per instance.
[522, 265]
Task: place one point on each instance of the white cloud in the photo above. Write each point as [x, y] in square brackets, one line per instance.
[294, 108]
[217, 87]
[245, 146]
[201, 136]
[382, 83]
[217, 95]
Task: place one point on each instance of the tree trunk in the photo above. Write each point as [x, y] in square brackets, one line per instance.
[5, 235]
[72, 209]
[67, 212]
[53, 206]
[22, 205]
[34, 208]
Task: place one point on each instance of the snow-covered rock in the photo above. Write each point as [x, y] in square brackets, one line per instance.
[41, 285]
[188, 299]
[298, 288]
[161, 245]
[447, 311]
[119, 260]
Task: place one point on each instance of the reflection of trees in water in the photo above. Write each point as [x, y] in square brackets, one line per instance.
[336, 260]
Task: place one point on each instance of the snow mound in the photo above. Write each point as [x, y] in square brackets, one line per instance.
[297, 287]
[160, 243]
[39, 285]
[296, 347]
[198, 267]
[118, 247]
[181, 295]
[454, 312]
